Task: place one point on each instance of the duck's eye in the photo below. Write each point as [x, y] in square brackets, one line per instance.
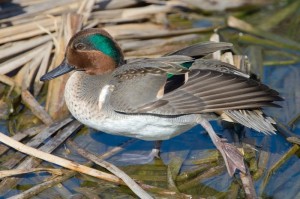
[79, 46]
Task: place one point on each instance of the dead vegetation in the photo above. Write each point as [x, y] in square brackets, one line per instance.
[33, 37]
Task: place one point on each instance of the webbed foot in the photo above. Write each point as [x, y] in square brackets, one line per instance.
[142, 159]
[138, 158]
[232, 156]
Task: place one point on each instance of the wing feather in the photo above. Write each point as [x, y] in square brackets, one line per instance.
[139, 88]
[211, 91]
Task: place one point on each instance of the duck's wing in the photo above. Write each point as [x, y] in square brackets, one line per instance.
[143, 82]
[146, 88]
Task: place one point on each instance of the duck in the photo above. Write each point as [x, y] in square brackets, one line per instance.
[156, 99]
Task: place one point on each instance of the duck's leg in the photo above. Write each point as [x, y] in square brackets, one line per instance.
[155, 152]
[232, 156]
[156, 149]
[143, 159]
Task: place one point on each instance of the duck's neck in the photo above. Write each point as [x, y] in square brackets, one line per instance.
[82, 93]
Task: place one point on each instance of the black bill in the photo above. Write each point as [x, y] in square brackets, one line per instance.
[63, 68]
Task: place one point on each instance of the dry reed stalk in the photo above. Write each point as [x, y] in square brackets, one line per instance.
[23, 134]
[68, 174]
[13, 172]
[58, 160]
[263, 158]
[136, 45]
[67, 8]
[55, 104]
[285, 131]
[91, 24]
[269, 22]
[233, 191]
[213, 171]
[130, 29]
[25, 35]
[30, 71]
[42, 69]
[10, 82]
[19, 60]
[157, 47]
[73, 25]
[129, 14]
[174, 167]
[169, 33]
[22, 21]
[293, 140]
[85, 9]
[248, 185]
[189, 174]
[106, 14]
[43, 186]
[126, 16]
[255, 56]
[292, 151]
[146, 10]
[32, 26]
[52, 144]
[246, 27]
[113, 169]
[228, 58]
[35, 107]
[19, 77]
[210, 158]
[134, 14]
[24, 3]
[239, 63]
[115, 4]
[222, 5]
[36, 141]
[37, 9]
[216, 38]
[18, 47]
[31, 33]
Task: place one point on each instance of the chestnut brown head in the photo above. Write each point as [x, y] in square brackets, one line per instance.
[93, 51]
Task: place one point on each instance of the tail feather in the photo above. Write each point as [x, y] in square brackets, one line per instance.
[254, 119]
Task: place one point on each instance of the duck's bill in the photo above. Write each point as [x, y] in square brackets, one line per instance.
[63, 68]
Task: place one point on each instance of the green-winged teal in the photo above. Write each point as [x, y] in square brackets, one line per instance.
[159, 98]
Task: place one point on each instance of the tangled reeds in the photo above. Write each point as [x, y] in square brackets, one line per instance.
[33, 36]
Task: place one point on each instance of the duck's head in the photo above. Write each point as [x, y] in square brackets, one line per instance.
[93, 51]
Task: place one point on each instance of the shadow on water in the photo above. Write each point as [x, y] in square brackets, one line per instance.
[9, 9]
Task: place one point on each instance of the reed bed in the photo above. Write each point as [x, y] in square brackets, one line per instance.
[33, 37]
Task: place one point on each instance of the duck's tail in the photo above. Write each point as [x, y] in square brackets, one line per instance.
[254, 119]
